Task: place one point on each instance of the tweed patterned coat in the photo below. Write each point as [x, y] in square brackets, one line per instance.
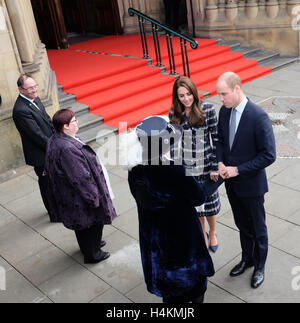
[79, 193]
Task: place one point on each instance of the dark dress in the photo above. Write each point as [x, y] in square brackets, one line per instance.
[175, 259]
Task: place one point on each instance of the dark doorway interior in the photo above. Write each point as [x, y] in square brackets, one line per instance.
[63, 22]
[176, 14]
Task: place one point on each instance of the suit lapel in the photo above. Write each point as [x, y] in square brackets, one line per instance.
[41, 111]
[226, 124]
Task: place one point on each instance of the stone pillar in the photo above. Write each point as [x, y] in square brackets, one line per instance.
[231, 10]
[22, 29]
[272, 8]
[199, 17]
[11, 154]
[20, 51]
[130, 24]
[211, 11]
[195, 15]
[251, 9]
[151, 8]
[32, 52]
[10, 63]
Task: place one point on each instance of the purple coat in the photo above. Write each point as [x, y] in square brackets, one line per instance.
[79, 193]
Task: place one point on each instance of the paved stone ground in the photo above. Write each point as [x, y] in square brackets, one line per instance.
[41, 262]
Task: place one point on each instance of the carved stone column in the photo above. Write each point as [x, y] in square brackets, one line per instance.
[10, 68]
[293, 7]
[211, 11]
[272, 8]
[20, 51]
[251, 9]
[10, 63]
[32, 52]
[231, 10]
[131, 25]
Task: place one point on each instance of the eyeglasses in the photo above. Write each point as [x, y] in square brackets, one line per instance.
[31, 88]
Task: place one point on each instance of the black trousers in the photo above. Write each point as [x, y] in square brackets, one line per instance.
[89, 242]
[250, 218]
[44, 190]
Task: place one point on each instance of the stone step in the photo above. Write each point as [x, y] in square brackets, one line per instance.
[79, 108]
[262, 56]
[88, 120]
[65, 99]
[91, 127]
[97, 134]
[279, 62]
[247, 50]
[271, 59]
[231, 43]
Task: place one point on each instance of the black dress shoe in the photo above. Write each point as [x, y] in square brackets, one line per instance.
[104, 255]
[240, 268]
[257, 278]
[102, 244]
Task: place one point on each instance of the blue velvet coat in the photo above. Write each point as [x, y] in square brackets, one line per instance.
[78, 191]
[174, 255]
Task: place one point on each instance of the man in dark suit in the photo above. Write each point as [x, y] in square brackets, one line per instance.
[246, 147]
[35, 128]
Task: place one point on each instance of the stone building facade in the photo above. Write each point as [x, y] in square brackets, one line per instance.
[271, 24]
[21, 51]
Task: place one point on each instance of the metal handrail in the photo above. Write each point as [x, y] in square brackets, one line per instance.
[170, 33]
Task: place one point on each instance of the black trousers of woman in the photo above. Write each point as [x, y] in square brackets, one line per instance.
[89, 241]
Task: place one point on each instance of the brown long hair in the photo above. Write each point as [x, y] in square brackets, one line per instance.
[197, 115]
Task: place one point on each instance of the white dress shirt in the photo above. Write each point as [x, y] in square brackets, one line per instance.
[30, 100]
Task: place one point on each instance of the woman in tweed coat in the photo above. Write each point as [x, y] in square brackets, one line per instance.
[199, 122]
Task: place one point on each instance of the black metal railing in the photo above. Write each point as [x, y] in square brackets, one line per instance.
[170, 33]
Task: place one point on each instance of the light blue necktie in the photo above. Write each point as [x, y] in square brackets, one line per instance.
[232, 127]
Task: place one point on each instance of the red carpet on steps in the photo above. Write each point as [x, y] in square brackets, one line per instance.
[109, 76]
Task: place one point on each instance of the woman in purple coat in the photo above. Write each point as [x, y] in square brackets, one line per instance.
[79, 192]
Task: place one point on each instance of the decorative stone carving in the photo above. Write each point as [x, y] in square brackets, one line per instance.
[293, 7]
[231, 10]
[272, 8]
[251, 9]
[211, 11]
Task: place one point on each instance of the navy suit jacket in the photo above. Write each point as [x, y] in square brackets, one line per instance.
[35, 127]
[252, 151]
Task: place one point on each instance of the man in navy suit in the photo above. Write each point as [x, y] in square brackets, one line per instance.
[35, 128]
[246, 147]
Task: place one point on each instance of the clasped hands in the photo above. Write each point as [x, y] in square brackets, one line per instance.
[227, 171]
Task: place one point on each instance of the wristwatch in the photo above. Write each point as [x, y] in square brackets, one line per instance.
[237, 170]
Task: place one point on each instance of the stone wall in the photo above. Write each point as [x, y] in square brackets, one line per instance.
[21, 51]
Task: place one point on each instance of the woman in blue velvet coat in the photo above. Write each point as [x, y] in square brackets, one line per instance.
[175, 259]
[79, 192]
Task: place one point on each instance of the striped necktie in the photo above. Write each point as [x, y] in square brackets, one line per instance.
[232, 127]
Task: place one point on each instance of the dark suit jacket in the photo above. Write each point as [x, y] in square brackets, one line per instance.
[35, 128]
[252, 151]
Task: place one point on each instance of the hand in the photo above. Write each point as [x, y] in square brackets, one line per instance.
[231, 171]
[222, 170]
[214, 176]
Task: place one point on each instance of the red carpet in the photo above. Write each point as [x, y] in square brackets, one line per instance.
[121, 88]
